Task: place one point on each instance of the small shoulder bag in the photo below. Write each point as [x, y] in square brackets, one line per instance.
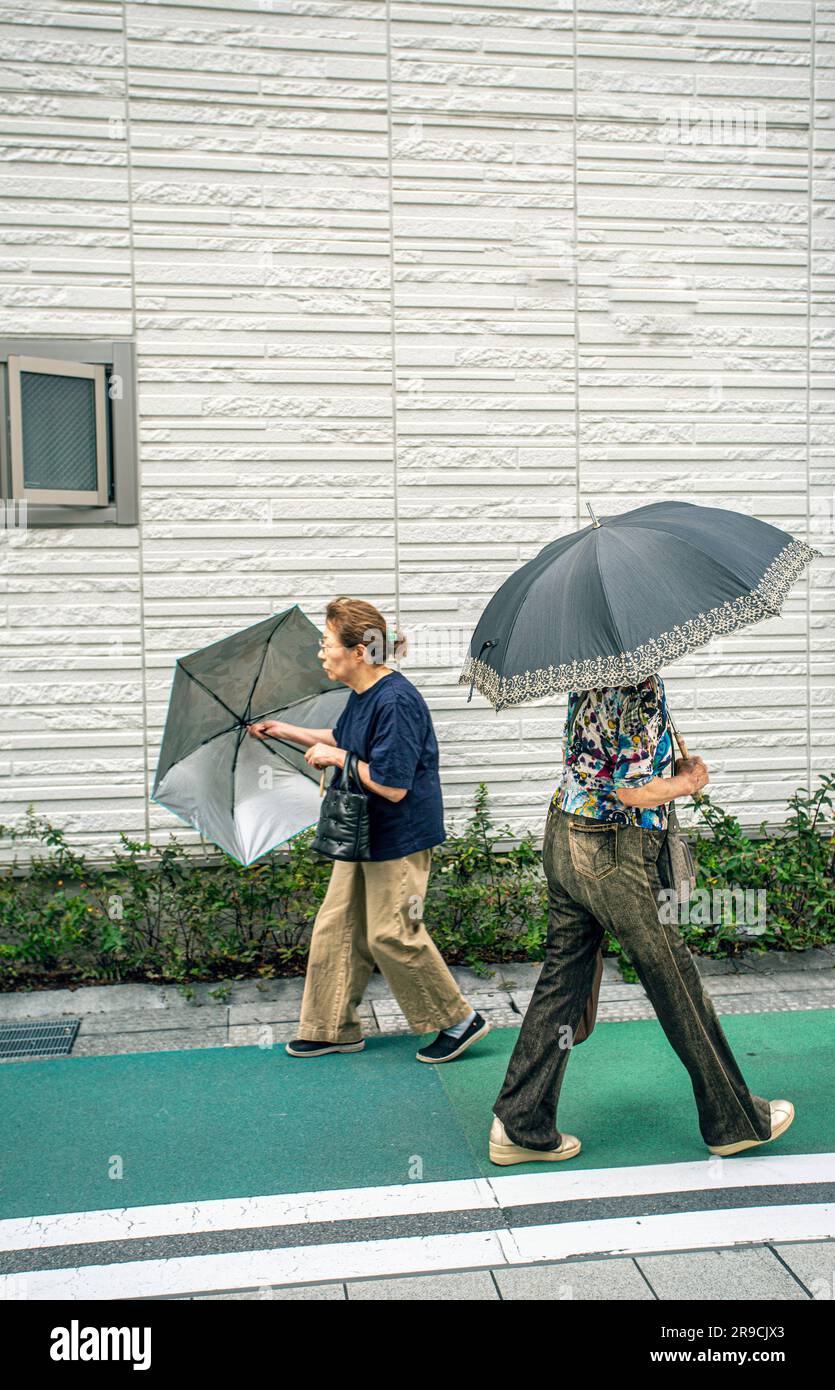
[675, 862]
[343, 831]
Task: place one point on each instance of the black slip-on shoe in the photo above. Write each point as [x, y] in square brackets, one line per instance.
[446, 1048]
[299, 1047]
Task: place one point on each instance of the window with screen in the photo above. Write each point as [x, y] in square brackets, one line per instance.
[68, 451]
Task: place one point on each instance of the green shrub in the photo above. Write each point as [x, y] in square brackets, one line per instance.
[794, 867]
[157, 913]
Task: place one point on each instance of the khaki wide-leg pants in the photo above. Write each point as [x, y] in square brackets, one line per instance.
[373, 913]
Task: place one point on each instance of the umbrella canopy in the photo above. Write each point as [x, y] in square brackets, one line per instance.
[610, 604]
[244, 794]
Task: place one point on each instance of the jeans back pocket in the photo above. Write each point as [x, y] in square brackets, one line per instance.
[594, 851]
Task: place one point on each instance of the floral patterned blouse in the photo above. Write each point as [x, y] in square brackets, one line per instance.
[620, 737]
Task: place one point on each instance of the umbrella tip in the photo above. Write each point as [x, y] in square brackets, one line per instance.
[594, 520]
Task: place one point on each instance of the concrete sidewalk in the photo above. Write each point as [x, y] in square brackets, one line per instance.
[683, 1229]
[148, 1018]
[796, 1271]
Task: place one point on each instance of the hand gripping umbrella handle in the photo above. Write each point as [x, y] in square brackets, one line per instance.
[682, 748]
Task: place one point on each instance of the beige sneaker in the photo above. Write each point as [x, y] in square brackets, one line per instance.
[504, 1151]
[782, 1114]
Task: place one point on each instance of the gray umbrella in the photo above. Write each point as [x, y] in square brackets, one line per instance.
[612, 603]
[244, 794]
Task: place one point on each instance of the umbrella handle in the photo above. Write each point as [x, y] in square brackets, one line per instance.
[322, 783]
[682, 748]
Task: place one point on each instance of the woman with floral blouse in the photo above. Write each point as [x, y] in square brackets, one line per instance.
[605, 830]
[618, 736]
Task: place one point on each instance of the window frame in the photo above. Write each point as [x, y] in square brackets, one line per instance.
[117, 358]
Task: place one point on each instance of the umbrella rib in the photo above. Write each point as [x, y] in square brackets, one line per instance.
[201, 744]
[197, 681]
[529, 589]
[606, 598]
[248, 710]
[302, 699]
[241, 735]
[692, 545]
[276, 753]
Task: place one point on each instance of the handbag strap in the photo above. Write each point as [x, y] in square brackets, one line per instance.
[349, 770]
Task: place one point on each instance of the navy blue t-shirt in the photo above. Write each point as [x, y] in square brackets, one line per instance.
[389, 726]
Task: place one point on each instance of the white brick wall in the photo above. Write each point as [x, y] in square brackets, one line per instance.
[371, 360]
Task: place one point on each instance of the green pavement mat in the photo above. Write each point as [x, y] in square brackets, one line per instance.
[221, 1122]
[629, 1099]
[244, 1121]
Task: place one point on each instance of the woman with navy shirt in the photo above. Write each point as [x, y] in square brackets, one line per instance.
[373, 909]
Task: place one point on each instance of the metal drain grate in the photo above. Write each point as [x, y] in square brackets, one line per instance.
[38, 1039]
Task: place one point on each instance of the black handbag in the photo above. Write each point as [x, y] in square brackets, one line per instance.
[343, 832]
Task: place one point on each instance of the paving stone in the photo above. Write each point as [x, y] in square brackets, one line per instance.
[748, 983]
[79, 1003]
[520, 999]
[470, 982]
[770, 1002]
[488, 999]
[613, 993]
[806, 998]
[609, 994]
[502, 1018]
[716, 1275]
[575, 1279]
[281, 1012]
[789, 981]
[622, 1010]
[272, 1295]
[393, 1023]
[263, 1034]
[772, 962]
[475, 1284]
[266, 991]
[813, 1262]
[143, 1021]
[385, 1008]
[708, 965]
[157, 1040]
[521, 977]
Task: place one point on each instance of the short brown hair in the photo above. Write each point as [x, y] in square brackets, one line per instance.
[356, 621]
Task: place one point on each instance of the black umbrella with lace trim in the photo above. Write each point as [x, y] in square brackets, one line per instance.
[612, 603]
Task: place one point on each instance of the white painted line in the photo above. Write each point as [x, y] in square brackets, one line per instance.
[255, 1268]
[242, 1213]
[676, 1231]
[422, 1254]
[356, 1203]
[565, 1184]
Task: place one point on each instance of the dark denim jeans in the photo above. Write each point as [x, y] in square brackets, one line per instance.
[601, 874]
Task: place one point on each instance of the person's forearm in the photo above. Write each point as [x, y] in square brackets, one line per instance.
[657, 792]
[390, 793]
[297, 733]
